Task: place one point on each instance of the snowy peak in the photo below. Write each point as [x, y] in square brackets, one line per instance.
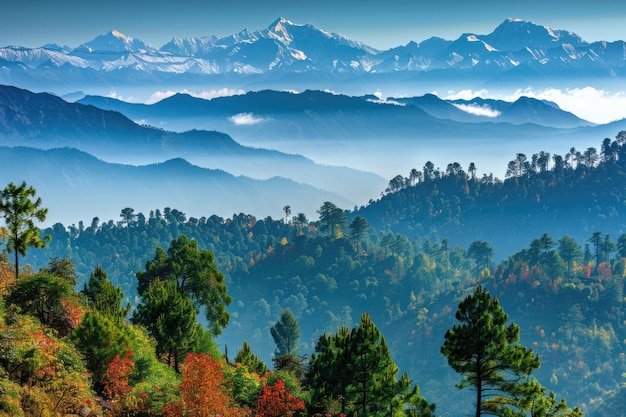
[280, 29]
[280, 24]
[517, 34]
[307, 37]
[515, 50]
[114, 41]
[189, 46]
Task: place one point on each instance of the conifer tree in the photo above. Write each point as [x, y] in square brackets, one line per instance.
[249, 359]
[485, 350]
[355, 368]
[286, 334]
[105, 297]
[20, 209]
[99, 340]
[195, 275]
[169, 317]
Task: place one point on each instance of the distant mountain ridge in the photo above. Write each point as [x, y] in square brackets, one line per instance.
[77, 186]
[515, 50]
[367, 133]
[45, 121]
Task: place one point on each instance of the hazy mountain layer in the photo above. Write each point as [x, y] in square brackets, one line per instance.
[77, 186]
[46, 121]
[367, 134]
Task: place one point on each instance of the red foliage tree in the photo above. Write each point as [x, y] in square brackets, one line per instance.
[276, 401]
[115, 379]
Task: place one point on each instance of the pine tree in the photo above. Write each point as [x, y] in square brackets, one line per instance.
[19, 209]
[169, 317]
[355, 368]
[105, 297]
[286, 334]
[249, 359]
[99, 340]
[326, 376]
[484, 349]
[195, 275]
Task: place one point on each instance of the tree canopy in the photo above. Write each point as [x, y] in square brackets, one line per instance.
[354, 368]
[194, 274]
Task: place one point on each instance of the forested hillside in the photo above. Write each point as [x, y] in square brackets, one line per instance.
[564, 290]
[574, 193]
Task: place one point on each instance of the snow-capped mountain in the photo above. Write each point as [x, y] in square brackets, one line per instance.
[516, 34]
[114, 42]
[516, 50]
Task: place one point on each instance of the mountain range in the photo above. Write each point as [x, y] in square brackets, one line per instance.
[46, 122]
[367, 132]
[290, 55]
[338, 148]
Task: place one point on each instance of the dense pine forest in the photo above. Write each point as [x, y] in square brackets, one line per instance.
[354, 313]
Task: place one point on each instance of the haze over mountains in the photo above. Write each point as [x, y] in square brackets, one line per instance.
[388, 137]
[369, 142]
[43, 121]
[289, 55]
[314, 137]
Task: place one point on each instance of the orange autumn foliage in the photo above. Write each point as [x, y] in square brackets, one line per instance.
[72, 315]
[7, 275]
[203, 390]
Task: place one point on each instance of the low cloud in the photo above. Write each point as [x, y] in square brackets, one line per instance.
[207, 95]
[598, 106]
[465, 94]
[113, 94]
[477, 110]
[589, 103]
[245, 119]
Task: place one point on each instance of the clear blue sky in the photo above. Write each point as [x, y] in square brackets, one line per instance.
[378, 23]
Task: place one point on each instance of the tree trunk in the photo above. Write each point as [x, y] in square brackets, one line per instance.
[17, 269]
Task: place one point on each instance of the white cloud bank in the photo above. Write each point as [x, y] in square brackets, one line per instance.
[245, 119]
[589, 103]
[477, 110]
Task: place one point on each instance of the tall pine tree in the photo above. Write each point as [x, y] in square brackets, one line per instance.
[355, 369]
[485, 350]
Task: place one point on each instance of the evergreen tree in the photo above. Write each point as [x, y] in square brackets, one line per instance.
[170, 318]
[20, 209]
[481, 252]
[286, 334]
[356, 369]
[99, 340]
[249, 359]
[570, 251]
[104, 297]
[327, 377]
[331, 218]
[485, 351]
[596, 241]
[358, 227]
